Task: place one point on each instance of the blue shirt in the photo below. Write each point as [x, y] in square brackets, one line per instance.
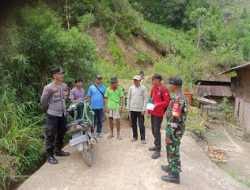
[97, 99]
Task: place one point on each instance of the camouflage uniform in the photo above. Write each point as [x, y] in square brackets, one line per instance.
[175, 129]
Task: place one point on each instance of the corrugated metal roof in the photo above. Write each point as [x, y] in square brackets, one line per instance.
[236, 68]
[208, 90]
[213, 83]
[215, 77]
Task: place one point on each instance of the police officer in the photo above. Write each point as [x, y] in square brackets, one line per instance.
[176, 116]
[53, 100]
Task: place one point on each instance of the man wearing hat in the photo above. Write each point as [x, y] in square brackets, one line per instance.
[136, 105]
[96, 93]
[53, 100]
[159, 98]
[113, 106]
[176, 116]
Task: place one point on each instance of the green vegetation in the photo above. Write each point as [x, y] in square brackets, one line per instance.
[115, 50]
[85, 21]
[143, 58]
[175, 42]
[21, 134]
[195, 122]
[239, 178]
[167, 67]
[33, 42]
[120, 68]
[228, 111]
[226, 108]
[168, 12]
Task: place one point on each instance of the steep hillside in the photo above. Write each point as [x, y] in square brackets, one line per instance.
[137, 54]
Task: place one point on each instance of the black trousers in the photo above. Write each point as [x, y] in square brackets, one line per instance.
[54, 133]
[137, 116]
[156, 130]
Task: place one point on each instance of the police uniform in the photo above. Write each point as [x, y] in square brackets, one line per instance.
[54, 101]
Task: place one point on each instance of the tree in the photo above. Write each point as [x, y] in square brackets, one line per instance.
[173, 13]
[208, 25]
[201, 17]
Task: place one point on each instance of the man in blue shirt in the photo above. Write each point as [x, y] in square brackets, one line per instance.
[96, 99]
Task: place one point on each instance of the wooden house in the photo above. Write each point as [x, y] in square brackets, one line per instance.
[214, 90]
[240, 85]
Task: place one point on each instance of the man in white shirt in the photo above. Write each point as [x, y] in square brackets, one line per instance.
[136, 105]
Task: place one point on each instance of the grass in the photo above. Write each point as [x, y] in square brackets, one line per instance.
[175, 41]
[239, 178]
[21, 140]
[182, 57]
[21, 151]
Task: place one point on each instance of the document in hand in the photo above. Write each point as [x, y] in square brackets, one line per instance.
[150, 106]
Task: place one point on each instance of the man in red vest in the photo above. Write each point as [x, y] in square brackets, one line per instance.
[160, 99]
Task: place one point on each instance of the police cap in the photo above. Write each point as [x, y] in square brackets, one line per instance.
[57, 70]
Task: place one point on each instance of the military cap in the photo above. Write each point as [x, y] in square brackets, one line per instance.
[175, 81]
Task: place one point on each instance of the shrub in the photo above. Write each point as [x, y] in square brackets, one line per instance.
[30, 46]
[76, 54]
[143, 58]
[228, 111]
[115, 50]
[195, 123]
[167, 67]
[175, 42]
[86, 21]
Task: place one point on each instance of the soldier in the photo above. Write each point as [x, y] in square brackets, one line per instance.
[53, 100]
[176, 116]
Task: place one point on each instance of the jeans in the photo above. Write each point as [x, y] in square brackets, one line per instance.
[137, 116]
[156, 130]
[98, 119]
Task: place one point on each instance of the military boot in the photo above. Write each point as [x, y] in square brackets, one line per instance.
[171, 178]
[166, 168]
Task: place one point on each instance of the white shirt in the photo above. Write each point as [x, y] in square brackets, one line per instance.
[137, 98]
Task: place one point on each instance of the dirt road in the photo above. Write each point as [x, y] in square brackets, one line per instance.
[237, 151]
[122, 165]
